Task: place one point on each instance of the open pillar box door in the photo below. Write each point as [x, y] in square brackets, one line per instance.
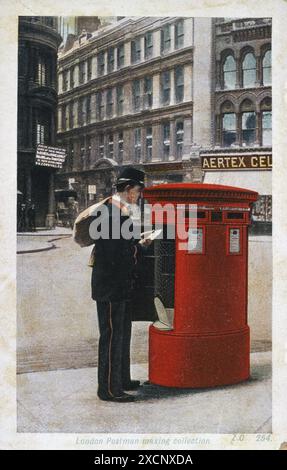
[199, 281]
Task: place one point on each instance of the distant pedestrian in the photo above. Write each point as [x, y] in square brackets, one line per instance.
[31, 215]
[73, 209]
[22, 218]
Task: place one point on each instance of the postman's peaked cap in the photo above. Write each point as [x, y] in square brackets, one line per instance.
[133, 175]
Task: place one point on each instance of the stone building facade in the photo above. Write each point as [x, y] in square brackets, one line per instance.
[126, 96]
[164, 94]
[37, 111]
[241, 125]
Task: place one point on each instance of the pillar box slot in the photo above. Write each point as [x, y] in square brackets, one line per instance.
[200, 284]
[235, 215]
[216, 216]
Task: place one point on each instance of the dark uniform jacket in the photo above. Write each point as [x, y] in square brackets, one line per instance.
[115, 261]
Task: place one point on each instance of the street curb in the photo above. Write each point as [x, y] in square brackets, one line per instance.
[37, 250]
[35, 234]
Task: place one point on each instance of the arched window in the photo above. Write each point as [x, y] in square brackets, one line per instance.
[266, 68]
[248, 123]
[249, 70]
[229, 72]
[228, 124]
[266, 121]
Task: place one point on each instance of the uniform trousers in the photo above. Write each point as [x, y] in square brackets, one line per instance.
[114, 319]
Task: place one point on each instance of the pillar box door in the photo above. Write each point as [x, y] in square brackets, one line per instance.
[201, 285]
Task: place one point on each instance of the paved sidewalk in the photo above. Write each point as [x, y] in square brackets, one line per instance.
[40, 232]
[41, 240]
[66, 401]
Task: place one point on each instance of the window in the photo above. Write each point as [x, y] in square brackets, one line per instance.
[248, 128]
[165, 38]
[49, 21]
[179, 138]
[121, 147]
[136, 95]
[136, 50]
[71, 154]
[88, 109]
[149, 143]
[266, 68]
[229, 72]
[267, 128]
[101, 63]
[111, 59]
[227, 124]
[88, 149]
[147, 92]
[165, 88]
[100, 105]
[101, 145]
[42, 126]
[64, 117]
[82, 72]
[228, 129]
[82, 149]
[72, 77]
[166, 140]
[266, 121]
[148, 45]
[137, 144]
[89, 68]
[111, 146]
[179, 84]
[120, 100]
[121, 55]
[110, 102]
[81, 111]
[41, 133]
[71, 115]
[41, 78]
[179, 34]
[247, 123]
[65, 80]
[249, 70]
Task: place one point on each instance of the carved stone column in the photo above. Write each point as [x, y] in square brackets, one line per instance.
[258, 71]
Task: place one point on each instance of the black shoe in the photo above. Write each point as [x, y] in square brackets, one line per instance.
[124, 398]
[132, 385]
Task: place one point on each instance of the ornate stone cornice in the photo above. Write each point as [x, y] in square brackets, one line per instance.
[236, 151]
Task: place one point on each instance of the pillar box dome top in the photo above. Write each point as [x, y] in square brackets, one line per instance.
[195, 192]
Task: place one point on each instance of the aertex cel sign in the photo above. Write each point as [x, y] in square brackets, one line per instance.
[237, 162]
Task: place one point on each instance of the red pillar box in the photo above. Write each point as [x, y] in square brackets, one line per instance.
[202, 339]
